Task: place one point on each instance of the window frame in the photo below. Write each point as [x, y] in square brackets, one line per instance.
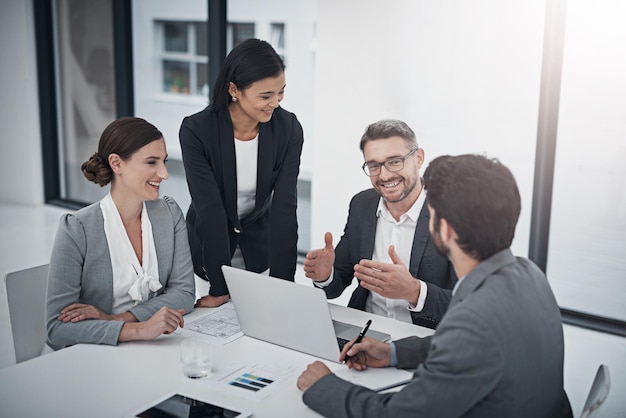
[190, 57]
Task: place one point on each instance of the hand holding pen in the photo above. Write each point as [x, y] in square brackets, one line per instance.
[359, 338]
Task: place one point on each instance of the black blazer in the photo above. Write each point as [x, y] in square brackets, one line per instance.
[427, 264]
[268, 236]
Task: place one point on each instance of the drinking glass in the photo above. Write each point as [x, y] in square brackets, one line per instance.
[195, 356]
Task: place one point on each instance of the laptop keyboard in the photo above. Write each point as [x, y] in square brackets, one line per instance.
[342, 342]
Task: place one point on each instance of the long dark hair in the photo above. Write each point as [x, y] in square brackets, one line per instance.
[250, 61]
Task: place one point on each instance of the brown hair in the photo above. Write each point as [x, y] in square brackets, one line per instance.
[123, 137]
[387, 128]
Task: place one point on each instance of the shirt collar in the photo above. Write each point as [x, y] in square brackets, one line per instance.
[413, 213]
[456, 285]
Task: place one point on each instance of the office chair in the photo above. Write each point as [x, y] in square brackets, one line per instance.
[598, 392]
[26, 294]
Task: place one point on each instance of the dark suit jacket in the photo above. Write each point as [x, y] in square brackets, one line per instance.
[268, 236]
[427, 264]
[498, 352]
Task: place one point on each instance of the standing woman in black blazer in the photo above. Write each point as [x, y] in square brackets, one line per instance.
[242, 157]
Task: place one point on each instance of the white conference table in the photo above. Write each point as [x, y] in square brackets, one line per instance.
[116, 381]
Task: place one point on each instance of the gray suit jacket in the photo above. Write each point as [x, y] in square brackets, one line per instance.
[81, 272]
[498, 352]
[426, 264]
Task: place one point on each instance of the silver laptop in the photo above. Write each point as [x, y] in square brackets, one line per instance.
[289, 314]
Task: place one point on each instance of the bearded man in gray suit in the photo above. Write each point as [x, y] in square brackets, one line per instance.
[498, 351]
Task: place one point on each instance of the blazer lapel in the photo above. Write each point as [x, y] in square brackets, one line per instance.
[226, 138]
[420, 240]
[163, 237]
[104, 267]
[265, 163]
[369, 227]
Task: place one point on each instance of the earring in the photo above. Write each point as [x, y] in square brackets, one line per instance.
[234, 99]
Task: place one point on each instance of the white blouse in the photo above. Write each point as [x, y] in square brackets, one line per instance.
[246, 156]
[246, 153]
[132, 281]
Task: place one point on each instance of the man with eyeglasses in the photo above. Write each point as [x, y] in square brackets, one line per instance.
[386, 244]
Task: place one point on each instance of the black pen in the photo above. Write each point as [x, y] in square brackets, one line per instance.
[359, 338]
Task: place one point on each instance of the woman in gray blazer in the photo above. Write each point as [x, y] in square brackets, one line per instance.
[120, 268]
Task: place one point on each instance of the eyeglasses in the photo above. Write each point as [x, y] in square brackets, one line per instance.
[372, 168]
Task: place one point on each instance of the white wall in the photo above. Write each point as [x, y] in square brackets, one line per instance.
[21, 180]
[464, 75]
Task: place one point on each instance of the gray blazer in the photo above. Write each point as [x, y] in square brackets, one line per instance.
[426, 263]
[498, 352]
[81, 272]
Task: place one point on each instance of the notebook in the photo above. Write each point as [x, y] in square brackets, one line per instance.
[378, 379]
[289, 314]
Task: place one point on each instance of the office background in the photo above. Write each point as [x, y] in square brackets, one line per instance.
[467, 76]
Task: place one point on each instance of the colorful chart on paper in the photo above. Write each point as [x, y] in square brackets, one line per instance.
[250, 382]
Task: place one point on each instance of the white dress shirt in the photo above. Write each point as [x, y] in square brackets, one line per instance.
[400, 234]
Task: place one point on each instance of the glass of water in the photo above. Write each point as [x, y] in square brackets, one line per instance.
[196, 357]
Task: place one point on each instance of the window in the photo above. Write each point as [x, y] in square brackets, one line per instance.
[236, 33]
[85, 89]
[277, 38]
[184, 54]
[184, 58]
[586, 263]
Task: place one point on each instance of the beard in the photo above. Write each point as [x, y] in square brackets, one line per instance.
[442, 248]
[408, 188]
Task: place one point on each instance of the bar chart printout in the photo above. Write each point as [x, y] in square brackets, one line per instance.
[251, 382]
[255, 381]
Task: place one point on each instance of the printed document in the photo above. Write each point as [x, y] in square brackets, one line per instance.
[220, 325]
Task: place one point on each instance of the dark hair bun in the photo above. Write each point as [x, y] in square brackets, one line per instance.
[97, 170]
